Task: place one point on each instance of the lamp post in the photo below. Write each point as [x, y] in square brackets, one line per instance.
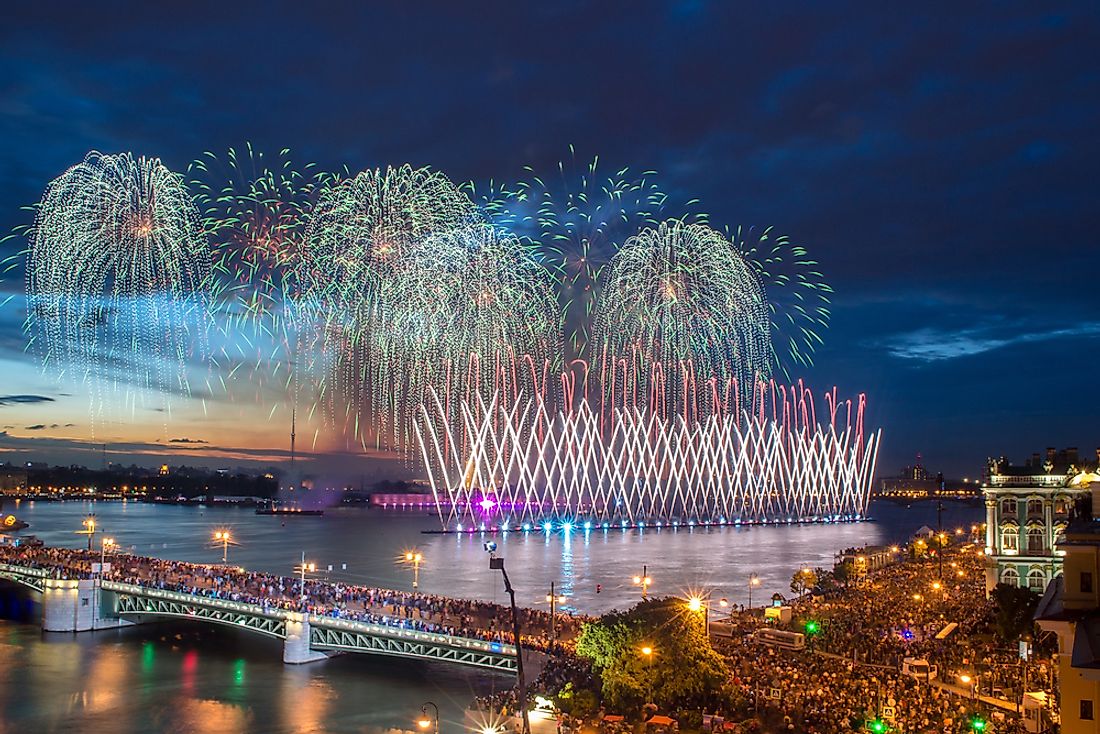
[303, 569]
[497, 563]
[222, 537]
[414, 557]
[700, 604]
[754, 580]
[554, 600]
[424, 723]
[643, 581]
[89, 526]
[106, 543]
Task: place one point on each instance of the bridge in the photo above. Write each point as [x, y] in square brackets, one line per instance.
[78, 605]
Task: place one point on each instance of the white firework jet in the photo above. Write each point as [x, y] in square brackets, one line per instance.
[517, 464]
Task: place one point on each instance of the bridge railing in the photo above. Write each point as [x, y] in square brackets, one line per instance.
[320, 620]
[41, 573]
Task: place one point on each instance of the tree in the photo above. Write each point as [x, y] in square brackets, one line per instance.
[1015, 609]
[681, 669]
[803, 579]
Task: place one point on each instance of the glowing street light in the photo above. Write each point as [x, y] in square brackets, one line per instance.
[754, 580]
[414, 557]
[89, 526]
[554, 599]
[644, 580]
[426, 721]
[107, 543]
[224, 539]
[303, 569]
[647, 651]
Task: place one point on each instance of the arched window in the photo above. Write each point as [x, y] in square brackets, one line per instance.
[1010, 539]
[1034, 508]
[1008, 506]
[1061, 506]
[1036, 540]
[1036, 580]
[1010, 576]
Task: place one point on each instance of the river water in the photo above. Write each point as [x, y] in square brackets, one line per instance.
[190, 678]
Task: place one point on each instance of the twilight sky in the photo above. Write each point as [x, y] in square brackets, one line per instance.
[939, 161]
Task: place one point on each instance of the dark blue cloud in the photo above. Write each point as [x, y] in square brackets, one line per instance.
[24, 399]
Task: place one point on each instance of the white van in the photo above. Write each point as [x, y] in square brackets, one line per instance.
[780, 638]
[918, 668]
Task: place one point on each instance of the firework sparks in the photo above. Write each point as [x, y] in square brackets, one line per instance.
[680, 296]
[115, 272]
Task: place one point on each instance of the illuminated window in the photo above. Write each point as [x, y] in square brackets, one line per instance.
[1034, 507]
[1008, 506]
[1036, 540]
[1010, 539]
[1036, 580]
[1010, 577]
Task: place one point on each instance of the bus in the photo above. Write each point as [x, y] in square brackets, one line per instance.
[780, 638]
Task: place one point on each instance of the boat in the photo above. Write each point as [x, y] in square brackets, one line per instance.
[276, 509]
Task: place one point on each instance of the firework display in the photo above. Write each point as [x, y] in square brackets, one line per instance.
[576, 218]
[115, 274]
[798, 296]
[255, 211]
[512, 464]
[679, 302]
[588, 292]
[354, 262]
[474, 315]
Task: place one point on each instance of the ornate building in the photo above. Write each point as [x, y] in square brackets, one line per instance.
[1027, 509]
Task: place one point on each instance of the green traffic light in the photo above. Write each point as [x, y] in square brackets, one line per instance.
[878, 726]
[811, 627]
[977, 724]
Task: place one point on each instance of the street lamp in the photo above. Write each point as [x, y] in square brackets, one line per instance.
[699, 604]
[303, 569]
[88, 524]
[414, 557]
[644, 580]
[754, 580]
[223, 538]
[554, 600]
[426, 721]
[497, 563]
[107, 543]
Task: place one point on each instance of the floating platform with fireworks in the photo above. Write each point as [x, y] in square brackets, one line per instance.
[525, 467]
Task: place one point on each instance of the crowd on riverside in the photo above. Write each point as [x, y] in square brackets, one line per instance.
[850, 674]
[406, 610]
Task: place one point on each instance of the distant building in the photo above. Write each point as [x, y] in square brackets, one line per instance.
[13, 480]
[1027, 510]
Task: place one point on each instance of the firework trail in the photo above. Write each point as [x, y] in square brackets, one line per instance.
[256, 209]
[354, 261]
[798, 296]
[576, 217]
[115, 273]
[681, 317]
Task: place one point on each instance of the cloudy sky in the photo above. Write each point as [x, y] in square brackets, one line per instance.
[939, 161]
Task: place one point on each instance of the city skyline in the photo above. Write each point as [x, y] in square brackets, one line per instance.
[957, 312]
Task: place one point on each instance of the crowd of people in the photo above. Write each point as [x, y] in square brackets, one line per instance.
[850, 673]
[464, 618]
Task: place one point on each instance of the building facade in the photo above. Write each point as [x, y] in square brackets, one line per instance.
[1027, 510]
[1071, 609]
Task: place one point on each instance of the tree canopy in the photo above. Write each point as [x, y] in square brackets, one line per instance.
[657, 652]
